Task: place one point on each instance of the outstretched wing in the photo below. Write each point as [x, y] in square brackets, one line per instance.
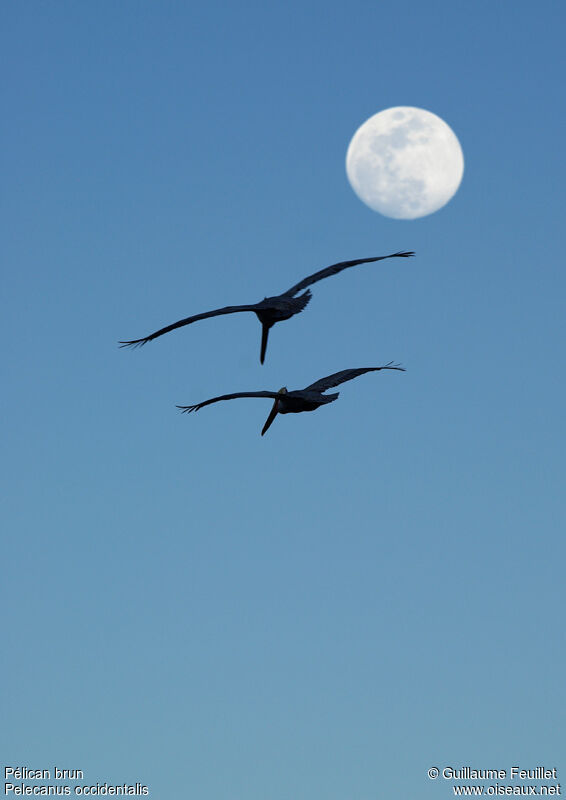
[335, 268]
[347, 375]
[198, 406]
[186, 321]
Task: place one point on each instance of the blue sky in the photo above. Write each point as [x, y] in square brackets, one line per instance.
[367, 591]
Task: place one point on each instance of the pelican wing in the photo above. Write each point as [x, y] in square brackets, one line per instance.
[187, 321]
[198, 406]
[335, 268]
[347, 375]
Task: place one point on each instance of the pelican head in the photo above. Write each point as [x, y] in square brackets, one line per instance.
[273, 412]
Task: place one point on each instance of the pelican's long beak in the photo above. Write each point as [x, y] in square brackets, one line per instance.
[272, 414]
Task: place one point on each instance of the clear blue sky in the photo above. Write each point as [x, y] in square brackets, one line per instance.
[366, 591]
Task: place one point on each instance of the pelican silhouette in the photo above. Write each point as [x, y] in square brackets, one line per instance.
[308, 399]
[271, 309]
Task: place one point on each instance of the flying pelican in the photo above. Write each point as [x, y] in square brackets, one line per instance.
[308, 399]
[271, 309]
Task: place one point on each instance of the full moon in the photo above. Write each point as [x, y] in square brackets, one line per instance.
[405, 162]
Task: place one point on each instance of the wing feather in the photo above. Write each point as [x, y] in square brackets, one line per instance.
[187, 321]
[347, 375]
[335, 268]
[236, 395]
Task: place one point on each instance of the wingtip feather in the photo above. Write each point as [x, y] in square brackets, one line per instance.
[134, 343]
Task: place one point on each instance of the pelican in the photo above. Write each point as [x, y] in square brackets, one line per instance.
[271, 309]
[308, 399]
